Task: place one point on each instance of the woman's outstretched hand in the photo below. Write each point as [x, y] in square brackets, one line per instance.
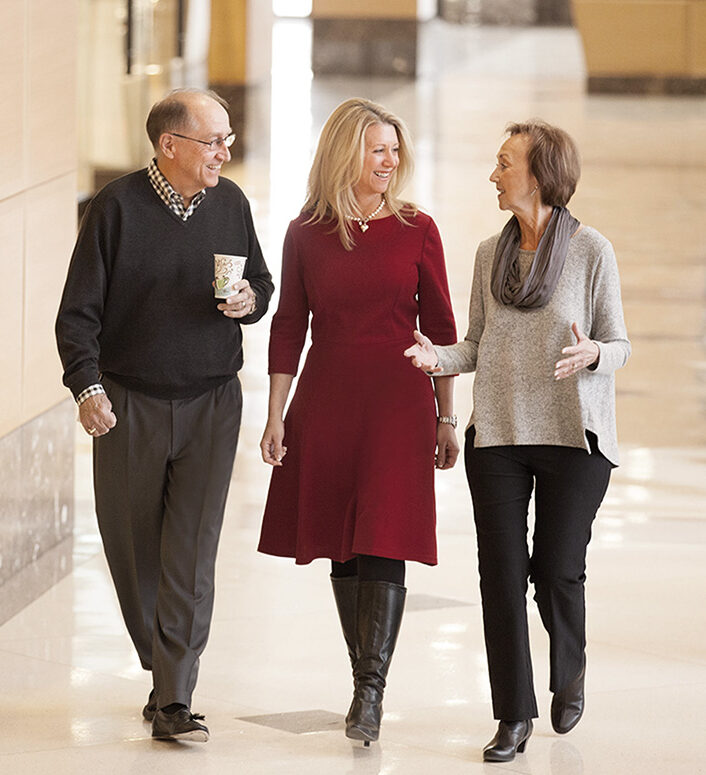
[584, 353]
[422, 354]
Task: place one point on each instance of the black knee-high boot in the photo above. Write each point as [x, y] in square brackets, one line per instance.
[345, 593]
[379, 615]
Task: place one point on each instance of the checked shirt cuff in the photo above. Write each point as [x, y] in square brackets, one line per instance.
[91, 390]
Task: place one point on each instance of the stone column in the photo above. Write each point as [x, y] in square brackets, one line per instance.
[240, 55]
[644, 46]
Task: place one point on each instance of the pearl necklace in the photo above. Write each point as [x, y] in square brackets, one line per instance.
[363, 222]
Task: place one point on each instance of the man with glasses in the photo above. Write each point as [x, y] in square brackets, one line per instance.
[152, 361]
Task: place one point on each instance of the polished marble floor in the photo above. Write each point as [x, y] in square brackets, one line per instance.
[274, 681]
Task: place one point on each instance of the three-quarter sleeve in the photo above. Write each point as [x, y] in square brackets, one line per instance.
[608, 329]
[291, 321]
[436, 318]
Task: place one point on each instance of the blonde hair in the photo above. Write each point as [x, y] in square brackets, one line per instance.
[338, 165]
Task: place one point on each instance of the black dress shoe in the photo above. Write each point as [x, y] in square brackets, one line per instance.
[151, 708]
[182, 725]
[511, 738]
[568, 704]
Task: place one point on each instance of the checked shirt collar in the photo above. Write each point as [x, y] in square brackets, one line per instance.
[169, 196]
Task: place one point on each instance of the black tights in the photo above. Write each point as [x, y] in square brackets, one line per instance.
[369, 568]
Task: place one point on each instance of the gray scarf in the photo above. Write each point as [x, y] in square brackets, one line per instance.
[543, 276]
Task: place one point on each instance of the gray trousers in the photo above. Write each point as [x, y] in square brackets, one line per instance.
[161, 478]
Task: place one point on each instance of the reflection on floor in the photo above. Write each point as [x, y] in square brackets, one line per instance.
[274, 680]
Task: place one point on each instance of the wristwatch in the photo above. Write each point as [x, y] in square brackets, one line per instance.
[452, 420]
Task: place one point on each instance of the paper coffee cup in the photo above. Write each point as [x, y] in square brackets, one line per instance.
[227, 270]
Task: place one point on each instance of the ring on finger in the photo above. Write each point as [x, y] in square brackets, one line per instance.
[91, 430]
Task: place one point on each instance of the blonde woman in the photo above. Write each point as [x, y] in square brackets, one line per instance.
[364, 429]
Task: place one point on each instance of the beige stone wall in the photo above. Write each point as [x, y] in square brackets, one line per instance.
[643, 37]
[37, 197]
[696, 38]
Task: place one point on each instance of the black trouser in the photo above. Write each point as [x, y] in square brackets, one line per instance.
[161, 478]
[569, 485]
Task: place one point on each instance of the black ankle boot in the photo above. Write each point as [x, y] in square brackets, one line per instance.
[345, 593]
[379, 615]
[568, 704]
[510, 739]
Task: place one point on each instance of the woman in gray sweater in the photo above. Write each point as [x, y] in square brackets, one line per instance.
[545, 336]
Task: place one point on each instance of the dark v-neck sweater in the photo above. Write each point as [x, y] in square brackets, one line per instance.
[138, 303]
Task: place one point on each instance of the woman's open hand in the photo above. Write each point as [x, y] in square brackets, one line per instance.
[423, 354]
[584, 353]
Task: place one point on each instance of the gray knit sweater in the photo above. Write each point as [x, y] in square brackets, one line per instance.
[516, 399]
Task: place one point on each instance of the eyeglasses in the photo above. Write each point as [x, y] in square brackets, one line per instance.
[219, 142]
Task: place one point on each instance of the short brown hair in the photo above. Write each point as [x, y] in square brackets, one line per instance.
[172, 113]
[553, 160]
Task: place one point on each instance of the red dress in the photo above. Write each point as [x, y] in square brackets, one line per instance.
[360, 432]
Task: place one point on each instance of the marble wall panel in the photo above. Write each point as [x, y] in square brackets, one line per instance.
[366, 47]
[554, 12]
[50, 222]
[11, 299]
[51, 81]
[460, 11]
[508, 12]
[37, 229]
[36, 479]
[36, 578]
[12, 51]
